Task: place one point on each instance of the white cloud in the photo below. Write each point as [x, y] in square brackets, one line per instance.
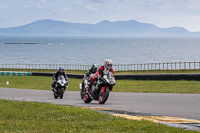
[43, 1]
[42, 4]
[65, 9]
[26, 6]
[91, 8]
[168, 13]
[3, 7]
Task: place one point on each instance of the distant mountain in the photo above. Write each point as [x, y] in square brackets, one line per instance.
[104, 28]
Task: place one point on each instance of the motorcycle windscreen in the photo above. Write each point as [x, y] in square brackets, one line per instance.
[61, 80]
[61, 77]
[111, 78]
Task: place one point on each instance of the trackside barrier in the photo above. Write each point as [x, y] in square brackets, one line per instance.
[78, 76]
[15, 73]
[187, 76]
[116, 67]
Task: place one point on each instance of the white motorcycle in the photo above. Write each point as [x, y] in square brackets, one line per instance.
[60, 87]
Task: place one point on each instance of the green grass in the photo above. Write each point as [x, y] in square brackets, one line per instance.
[44, 83]
[153, 86]
[43, 70]
[157, 71]
[35, 82]
[116, 72]
[29, 117]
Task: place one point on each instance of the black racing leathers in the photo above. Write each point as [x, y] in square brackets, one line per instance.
[90, 71]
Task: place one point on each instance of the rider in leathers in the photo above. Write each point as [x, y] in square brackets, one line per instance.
[56, 75]
[104, 69]
[92, 70]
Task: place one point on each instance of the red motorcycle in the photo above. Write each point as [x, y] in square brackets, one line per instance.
[99, 90]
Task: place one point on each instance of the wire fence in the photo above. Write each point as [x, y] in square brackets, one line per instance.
[116, 67]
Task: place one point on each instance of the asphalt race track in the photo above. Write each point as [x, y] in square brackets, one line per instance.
[161, 104]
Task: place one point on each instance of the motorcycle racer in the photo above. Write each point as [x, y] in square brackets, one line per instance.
[103, 70]
[56, 75]
[92, 70]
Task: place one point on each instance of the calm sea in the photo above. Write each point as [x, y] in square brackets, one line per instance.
[88, 50]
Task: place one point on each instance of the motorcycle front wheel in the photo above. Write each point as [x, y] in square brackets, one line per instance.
[61, 92]
[82, 94]
[103, 96]
[86, 97]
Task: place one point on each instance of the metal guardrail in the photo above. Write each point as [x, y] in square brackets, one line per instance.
[116, 67]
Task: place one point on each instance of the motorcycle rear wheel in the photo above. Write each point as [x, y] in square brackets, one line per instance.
[103, 96]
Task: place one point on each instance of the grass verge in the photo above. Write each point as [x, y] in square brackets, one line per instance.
[43, 70]
[30, 117]
[116, 72]
[44, 83]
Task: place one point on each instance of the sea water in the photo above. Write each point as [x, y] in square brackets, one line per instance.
[89, 50]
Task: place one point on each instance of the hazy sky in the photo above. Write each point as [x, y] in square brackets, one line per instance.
[163, 13]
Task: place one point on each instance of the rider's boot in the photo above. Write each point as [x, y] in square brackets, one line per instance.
[53, 89]
[88, 86]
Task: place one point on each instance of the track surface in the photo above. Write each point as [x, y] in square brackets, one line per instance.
[161, 104]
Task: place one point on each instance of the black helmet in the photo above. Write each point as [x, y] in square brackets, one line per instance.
[94, 67]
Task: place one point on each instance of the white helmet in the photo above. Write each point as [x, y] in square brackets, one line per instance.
[108, 63]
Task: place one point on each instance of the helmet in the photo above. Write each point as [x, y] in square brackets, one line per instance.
[61, 69]
[94, 67]
[108, 63]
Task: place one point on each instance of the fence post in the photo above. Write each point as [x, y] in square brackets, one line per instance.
[167, 66]
[159, 66]
[184, 65]
[171, 65]
[151, 66]
[199, 65]
[131, 67]
[175, 65]
[189, 65]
